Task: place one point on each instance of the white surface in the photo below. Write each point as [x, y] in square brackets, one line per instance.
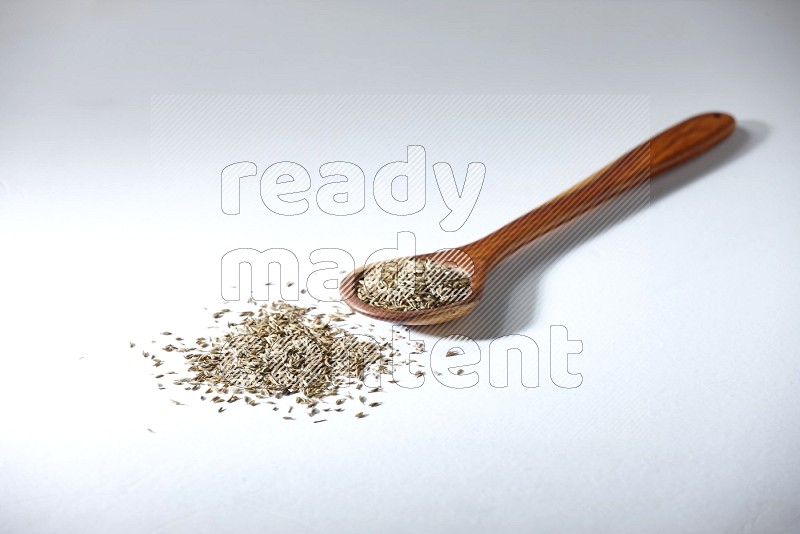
[686, 419]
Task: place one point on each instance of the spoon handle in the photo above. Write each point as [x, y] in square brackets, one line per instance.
[662, 152]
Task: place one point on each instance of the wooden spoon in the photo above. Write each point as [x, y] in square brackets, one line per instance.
[664, 151]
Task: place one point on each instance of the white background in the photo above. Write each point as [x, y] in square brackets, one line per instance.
[686, 420]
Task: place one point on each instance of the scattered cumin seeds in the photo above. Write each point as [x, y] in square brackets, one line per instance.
[284, 350]
[281, 350]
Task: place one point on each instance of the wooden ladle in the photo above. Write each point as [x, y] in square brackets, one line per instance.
[664, 151]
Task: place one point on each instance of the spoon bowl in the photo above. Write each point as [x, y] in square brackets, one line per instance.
[457, 259]
[664, 151]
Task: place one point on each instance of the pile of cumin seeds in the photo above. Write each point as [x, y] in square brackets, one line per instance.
[408, 284]
[278, 350]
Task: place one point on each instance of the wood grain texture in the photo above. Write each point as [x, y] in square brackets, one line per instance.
[661, 153]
